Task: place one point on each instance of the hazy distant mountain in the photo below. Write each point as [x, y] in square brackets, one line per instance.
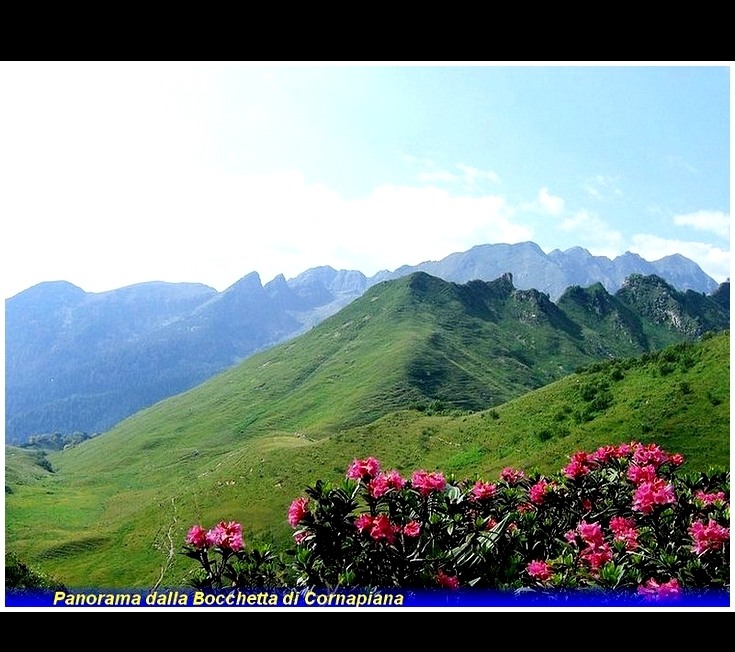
[81, 362]
[554, 272]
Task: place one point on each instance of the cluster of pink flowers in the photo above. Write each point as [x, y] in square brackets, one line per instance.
[384, 482]
[717, 498]
[652, 590]
[226, 536]
[427, 482]
[380, 527]
[511, 475]
[649, 494]
[482, 490]
[537, 492]
[580, 463]
[539, 570]
[624, 530]
[710, 536]
[297, 510]
[652, 454]
[363, 469]
[596, 552]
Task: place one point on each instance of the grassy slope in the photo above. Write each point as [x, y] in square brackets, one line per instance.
[117, 508]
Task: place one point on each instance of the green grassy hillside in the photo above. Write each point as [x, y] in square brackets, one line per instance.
[115, 509]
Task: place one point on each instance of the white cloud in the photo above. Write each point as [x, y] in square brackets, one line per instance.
[594, 234]
[545, 203]
[711, 221]
[550, 203]
[204, 227]
[714, 261]
[473, 175]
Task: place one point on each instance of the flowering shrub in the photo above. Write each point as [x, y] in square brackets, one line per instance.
[619, 518]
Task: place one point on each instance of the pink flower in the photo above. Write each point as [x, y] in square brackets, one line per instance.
[227, 536]
[299, 536]
[383, 529]
[536, 492]
[604, 454]
[447, 581]
[652, 590]
[491, 523]
[624, 451]
[539, 570]
[412, 529]
[639, 474]
[382, 483]
[650, 494]
[483, 490]
[591, 533]
[511, 475]
[717, 499]
[298, 509]
[364, 522]
[677, 459]
[649, 454]
[624, 530]
[197, 537]
[427, 483]
[580, 463]
[712, 536]
[363, 469]
[597, 556]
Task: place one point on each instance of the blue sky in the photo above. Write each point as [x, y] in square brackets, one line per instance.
[120, 173]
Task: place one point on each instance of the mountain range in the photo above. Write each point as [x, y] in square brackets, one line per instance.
[82, 362]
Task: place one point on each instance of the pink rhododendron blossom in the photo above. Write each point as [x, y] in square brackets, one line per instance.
[227, 536]
[412, 529]
[297, 510]
[383, 529]
[524, 507]
[652, 590]
[197, 537]
[596, 556]
[571, 537]
[536, 492]
[650, 494]
[591, 533]
[639, 474]
[677, 459]
[482, 490]
[580, 463]
[711, 536]
[382, 483]
[511, 475]
[427, 483]
[364, 522]
[624, 530]
[624, 451]
[539, 570]
[604, 454]
[705, 499]
[649, 454]
[363, 469]
[447, 581]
